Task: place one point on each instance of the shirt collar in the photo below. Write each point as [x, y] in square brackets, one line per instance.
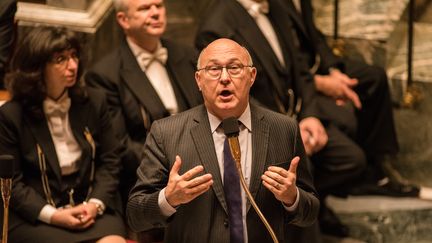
[255, 8]
[137, 50]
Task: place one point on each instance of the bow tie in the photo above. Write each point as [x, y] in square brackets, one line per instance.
[257, 8]
[51, 107]
[160, 55]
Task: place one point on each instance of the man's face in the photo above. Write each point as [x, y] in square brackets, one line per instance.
[228, 94]
[143, 18]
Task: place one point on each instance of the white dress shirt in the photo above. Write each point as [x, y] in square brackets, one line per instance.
[265, 26]
[158, 76]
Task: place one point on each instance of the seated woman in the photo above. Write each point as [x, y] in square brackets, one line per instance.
[66, 173]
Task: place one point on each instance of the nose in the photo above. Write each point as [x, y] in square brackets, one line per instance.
[225, 77]
[72, 63]
[154, 10]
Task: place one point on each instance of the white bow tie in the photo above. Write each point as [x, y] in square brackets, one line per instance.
[257, 8]
[160, 55]
[56, 108]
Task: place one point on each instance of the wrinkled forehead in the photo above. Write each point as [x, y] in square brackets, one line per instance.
[224, 52]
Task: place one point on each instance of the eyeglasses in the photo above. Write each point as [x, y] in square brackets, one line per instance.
[62, 59]
[215, 72]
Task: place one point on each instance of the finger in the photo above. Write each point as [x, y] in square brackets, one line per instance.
[199, 180]
[351, 82]
[192, 172]
[201, 188]
[278, 173]
[293, 166]
[351, 95]
[340, 102]
[270, 186]
[176, 166]
[269, 180]
[85, 218]
[76, 211]
[88, 224]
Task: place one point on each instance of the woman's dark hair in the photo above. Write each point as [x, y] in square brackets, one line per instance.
[25, 81]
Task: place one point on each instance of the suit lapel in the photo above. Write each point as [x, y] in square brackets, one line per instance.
[260, 140]
[42, 136]
[139, 84]
[204, 144]
[78, 115]
[181, 72]
[296, 17]
[257, 43]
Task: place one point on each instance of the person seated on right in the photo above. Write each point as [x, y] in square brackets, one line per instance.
[356, 98]
[65, 183]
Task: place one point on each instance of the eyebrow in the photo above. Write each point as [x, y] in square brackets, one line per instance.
[229, 61]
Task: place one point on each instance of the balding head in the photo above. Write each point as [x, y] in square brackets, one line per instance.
[224, 44]
[225, 76]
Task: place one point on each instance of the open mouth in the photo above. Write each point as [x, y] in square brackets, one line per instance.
[225, 93]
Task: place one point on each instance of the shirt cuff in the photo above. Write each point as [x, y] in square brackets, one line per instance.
[166, 209]
[293, 207]
[46, 213]
[101, 207]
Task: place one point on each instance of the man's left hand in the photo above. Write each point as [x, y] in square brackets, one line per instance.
[281, 182]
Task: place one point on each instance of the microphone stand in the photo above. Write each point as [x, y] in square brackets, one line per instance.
[236, 154]
[6, 174]
[6, 188]
[231, 129]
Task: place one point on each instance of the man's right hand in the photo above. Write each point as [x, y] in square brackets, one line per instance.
[184, 188]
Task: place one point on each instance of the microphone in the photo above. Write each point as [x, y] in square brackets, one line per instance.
[231, 129]
[6, 174]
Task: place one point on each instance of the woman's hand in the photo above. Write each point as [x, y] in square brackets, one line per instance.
[75, 218]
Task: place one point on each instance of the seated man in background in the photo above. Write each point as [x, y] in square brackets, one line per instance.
[187, 180]
[360, 103]
[145, 78]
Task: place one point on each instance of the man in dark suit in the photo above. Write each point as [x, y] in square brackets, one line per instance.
[182, 181]
[347, 81]
[145, 78]
[284, 84]
[359, 104]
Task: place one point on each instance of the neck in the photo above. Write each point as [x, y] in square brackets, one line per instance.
[57, 95]
[149, 44]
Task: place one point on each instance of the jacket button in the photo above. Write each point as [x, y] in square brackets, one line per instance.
[226, 223]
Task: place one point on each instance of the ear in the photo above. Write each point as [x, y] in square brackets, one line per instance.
[253, 75]
[122, 20]
[198, 80]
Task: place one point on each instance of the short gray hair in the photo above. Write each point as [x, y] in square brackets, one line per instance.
[121, 5]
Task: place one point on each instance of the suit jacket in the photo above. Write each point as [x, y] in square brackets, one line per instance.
[275, 141]
[128, 89]
[312, 41]
[229, 19]
[19, 136]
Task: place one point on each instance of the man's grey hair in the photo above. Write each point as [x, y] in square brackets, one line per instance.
[250, 62]
[120, 5]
